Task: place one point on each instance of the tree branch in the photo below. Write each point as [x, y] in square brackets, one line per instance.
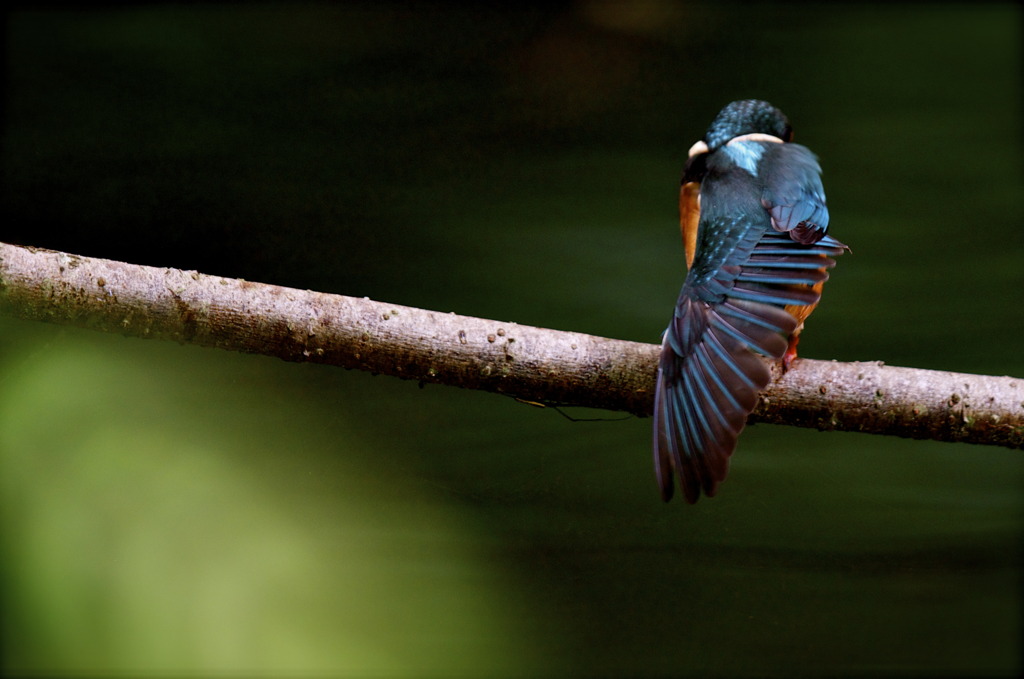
[533, 364]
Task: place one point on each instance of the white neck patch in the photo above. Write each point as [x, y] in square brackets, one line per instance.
[746, 150]
[756, 136]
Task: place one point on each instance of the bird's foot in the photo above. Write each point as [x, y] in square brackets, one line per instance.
[790, 355]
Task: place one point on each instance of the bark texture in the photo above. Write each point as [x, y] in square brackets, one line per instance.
[534, 364]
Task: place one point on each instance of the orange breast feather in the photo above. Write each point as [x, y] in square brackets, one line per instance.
[689, 217]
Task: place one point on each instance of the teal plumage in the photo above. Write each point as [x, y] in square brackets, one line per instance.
[761, 256]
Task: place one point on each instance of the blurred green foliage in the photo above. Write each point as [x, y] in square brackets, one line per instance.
[174, 510]
[161, 515]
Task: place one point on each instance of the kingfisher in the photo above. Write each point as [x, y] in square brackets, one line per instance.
[754, 224]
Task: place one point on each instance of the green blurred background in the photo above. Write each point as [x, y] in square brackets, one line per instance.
[173, 510]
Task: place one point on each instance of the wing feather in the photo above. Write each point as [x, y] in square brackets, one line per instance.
[710, 374]
[793, 194]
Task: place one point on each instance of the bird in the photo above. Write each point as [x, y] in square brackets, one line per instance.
[754, 224]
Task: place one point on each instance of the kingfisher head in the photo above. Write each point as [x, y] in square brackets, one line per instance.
[749, 116]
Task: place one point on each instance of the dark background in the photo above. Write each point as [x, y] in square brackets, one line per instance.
[171, 509]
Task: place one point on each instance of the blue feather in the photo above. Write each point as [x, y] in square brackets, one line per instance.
[711, 371]
[766, 297]
[754, 277]
[746, 154]
[762, 247]
[736, 312]
[729, 361]
[699, 377]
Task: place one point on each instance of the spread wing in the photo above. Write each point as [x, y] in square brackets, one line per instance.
[729, 311]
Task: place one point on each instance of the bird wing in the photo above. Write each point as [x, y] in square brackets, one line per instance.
[793, 193]
[729, 310]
